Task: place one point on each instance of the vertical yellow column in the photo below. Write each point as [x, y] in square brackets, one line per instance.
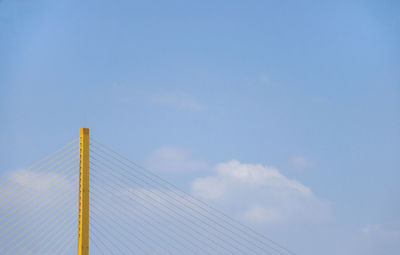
[83, 223]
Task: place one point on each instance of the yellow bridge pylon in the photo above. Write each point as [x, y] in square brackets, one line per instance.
[83, 221]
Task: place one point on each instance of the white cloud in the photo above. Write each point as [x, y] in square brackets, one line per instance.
[174, 159]
[208, 188]
[262, 194]
[261, 214]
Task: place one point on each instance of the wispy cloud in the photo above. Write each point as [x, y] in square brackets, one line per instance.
[125, 94]
[300, 162]
[374, 231]
[174, 159]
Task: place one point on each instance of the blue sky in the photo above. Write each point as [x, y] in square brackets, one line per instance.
[309, 88]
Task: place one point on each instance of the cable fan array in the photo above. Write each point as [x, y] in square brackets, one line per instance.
[38, 206]
[132, 211]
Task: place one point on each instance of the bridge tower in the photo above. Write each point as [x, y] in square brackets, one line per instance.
[83, 221]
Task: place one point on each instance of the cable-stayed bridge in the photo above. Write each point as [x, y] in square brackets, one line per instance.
[86, 198]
